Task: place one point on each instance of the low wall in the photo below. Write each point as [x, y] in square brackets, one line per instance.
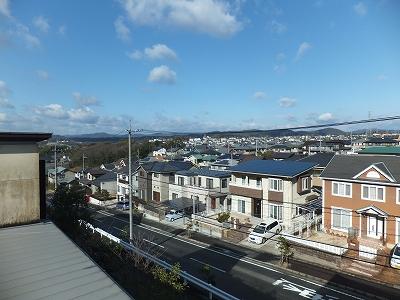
[102, 203]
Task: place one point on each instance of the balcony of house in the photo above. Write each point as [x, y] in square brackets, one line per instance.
[251, 192]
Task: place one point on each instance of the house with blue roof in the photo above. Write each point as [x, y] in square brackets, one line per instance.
[270, 189]
[209, 187]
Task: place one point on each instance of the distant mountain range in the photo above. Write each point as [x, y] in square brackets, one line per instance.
[103, 136]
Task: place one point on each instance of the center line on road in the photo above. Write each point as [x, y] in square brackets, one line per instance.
[205, 264]
[119, 229]
[155, 244]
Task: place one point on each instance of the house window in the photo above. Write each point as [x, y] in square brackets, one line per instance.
[275, 211]
[275, 184]
[258, 181]
[375, 193]
[174, 195]
[341, 219]
[305, 184]
[398, 196]
[156, 175]
[136, 178]
[141, 174]
[242, 206]
[243, 180]
[224, 183]
[397, 230]
[209, 183]
[181, 181]
[199, 181]
[191, 180]
[341, 189]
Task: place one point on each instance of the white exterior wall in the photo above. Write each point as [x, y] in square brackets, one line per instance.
[235, 201]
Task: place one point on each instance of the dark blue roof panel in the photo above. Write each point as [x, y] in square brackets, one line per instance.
[273, 167]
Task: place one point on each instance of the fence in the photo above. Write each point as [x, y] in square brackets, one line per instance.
[212, 290]
[317, 245]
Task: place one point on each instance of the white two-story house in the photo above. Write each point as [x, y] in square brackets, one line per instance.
[210, 187]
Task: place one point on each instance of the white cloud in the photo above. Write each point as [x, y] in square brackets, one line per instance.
[360, 8]
[4, 8]
[162, 74]
[157, 51]
[303, 49]
[287, 102]
[325, 117]
[85, 100]
[83, 115]
[135, 55]
[4, 93]
[381, 77]
[42, 74]
[259, 95]
[277, 27]
[24, 33]
[160, 51]
[213, 17]
[62, 29]
[123, 32]
[41, 23]
[55, 111]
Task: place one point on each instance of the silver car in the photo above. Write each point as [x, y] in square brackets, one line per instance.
[264, 231]
[395, 259]
[173, 215]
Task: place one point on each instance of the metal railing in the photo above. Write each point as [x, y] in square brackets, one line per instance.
[212, 290]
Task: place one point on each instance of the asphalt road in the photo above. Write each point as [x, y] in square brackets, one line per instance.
[235, 271]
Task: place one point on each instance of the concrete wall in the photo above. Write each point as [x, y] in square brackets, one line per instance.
[19, 184]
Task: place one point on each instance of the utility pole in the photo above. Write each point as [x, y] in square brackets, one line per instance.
[83, 164]
[256, 147]
[55, 165]
[130, 182]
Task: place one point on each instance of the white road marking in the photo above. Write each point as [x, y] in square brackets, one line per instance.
[119, 229]
[153, 243]
[246, 260]
[205, 264]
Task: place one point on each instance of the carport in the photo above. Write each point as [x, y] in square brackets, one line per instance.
[186, 204]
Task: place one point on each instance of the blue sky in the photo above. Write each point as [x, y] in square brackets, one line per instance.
[90, 66]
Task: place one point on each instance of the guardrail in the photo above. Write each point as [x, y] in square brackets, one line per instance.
[212, 290]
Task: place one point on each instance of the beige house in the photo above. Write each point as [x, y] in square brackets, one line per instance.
[269, 189]
[22, 178]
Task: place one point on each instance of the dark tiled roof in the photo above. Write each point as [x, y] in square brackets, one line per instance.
[322, 159]
[166, 167]
[273, 167]
[347, 166]
[109, 176]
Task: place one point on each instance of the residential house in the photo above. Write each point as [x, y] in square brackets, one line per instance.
[65, 176]
[262, 189]
[123, 181]
[160, 152]
[223, 164]
[381, 150]
[22, 178]
[336, 146]
[162, 174]
[209, 187]
[107, 182]
[201, 160]
[361, 199]
[381, 141]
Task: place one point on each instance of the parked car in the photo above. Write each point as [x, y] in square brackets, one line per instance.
[264, 231]
[124, 205]
[173, 215]
[395, 259]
